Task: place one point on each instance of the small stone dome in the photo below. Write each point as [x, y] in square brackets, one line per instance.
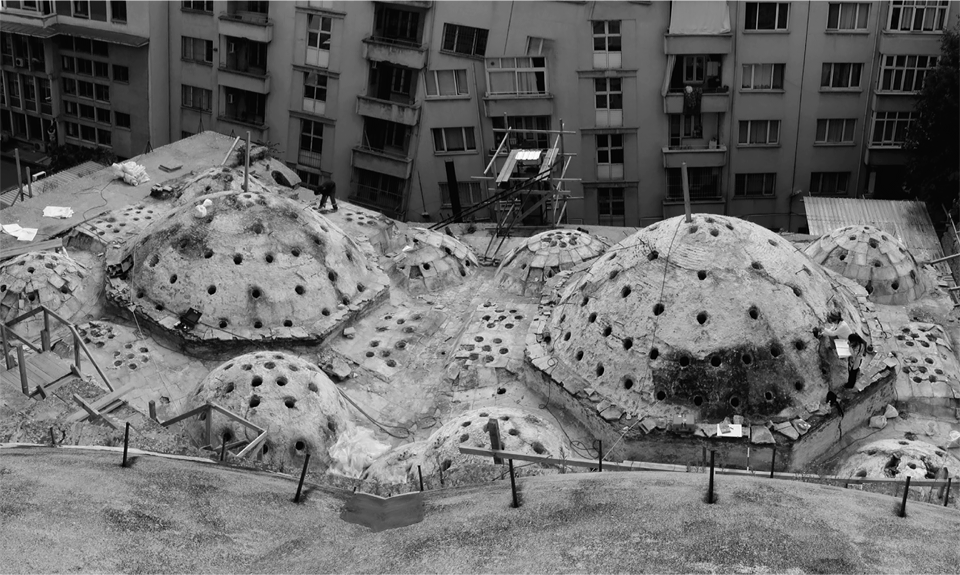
[898, 458]
[256, 266]
[520, 432]
[528, 266]
[431, 261]
[299, 407]
[718, 316]
[215, 180]
[874, 259]
[43, 278]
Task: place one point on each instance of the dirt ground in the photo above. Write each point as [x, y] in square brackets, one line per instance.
[76, 510]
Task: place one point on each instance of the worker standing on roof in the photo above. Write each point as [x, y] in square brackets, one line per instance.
[857, 348]
[328, 189]
[837, 327]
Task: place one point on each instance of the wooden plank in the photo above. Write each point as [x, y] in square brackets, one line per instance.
[102, 402]
[51, 364]
[93, 412]
[49, 389]
[235, 417]
[12, 376]
[45, 245]
[182, 416]
[253, 445]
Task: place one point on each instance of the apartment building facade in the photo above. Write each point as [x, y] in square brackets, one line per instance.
[84, 72]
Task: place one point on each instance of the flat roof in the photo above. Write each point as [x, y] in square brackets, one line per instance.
[100, 192]
[908, 221]
[74, 30]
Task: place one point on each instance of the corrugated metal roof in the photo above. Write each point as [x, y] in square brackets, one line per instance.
[103, 35]
[908, 221]
[26, 29]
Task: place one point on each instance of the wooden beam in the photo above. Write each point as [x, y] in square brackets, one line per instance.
[182, 416]
[253, 445]
[93, 412]
[235, 417]
[46, 245]
[83, 346]
[103, 402]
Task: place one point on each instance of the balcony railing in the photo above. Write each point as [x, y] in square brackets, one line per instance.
[694, 155]
[247, 18]
[695, 147]
[256, 121]
[395, 41]
[386, 201]
[308, 158]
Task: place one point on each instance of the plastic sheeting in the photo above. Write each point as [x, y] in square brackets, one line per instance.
[697, 17]
[355, 450]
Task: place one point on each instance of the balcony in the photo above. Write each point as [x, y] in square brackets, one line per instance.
[885, 156]
[680, 44]
[251, 80]
[694, 155]
[250, 25]
[714, 100]
[406, 114]
[424, 4]
[399, 52]
[382, 162]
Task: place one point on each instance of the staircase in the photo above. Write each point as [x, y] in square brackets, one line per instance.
[42, 373]
[50, 183]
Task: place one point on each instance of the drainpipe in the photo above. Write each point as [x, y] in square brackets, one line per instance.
[871, 95]
[796, 142]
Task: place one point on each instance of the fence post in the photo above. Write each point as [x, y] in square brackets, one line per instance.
[773, 461]
[600, 455]
[440, 467]
[903, 504]
[22, 364]
[513, 486]
[420, 473]
[710, 488]
[494, 428]
[45, 334]
[126, 439]
[946, 494]
[153, 410]
[76, 349]
[223, 446]
[53, 442]
[303, 474]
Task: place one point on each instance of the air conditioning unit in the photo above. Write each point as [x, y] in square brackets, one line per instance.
[19, 63]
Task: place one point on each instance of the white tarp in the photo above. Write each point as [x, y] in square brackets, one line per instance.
[697, 17]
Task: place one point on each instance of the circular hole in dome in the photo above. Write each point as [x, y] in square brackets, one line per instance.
[282, 381]
[627, 343]
[592, 317]
[754, 312]
[426, 267]
[299, 445]
[776, 350]
[256, 381]
[584, 301]
[257, 228]
[876, 263]
[237, 259]
[895, 286]
[684, 361]
[714, 232]
[658, 309]
[874, 244]
[332, 275]
[269, 258]
[290, 402]
[702, 317]
[208, 254]
[702, 274]
[715, 361]
[625, 291]
[607, 331]
[768, 395]
[223, 323]
[798, 386]
[325, 312]
[158, 307]
[464, 437]
[843, 257]
[376, 343]
[140, 294]
[566, 336]
[370, 354]
[300, 290]
[287, 323]
[627, 383]
[269, 365]
[653, 255]
[869, 287]
[756, 265]
[797, 291]
[255, 293]
[661, 395]
[654, 353]
[295, 252]
[514, 431]
[258, 324]
[361, 288]
[852, 238]
[771, 242]
[229, 387]
[255, 401]
[538, 448]
[698, 400]
[799, 345]
[692, 229]
[734, 402]
[913, 275]
[613, 274]
[154, 260]
[211, 289]
[579, 355]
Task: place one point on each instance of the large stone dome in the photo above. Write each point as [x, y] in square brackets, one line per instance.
[874, 259]
[529, 265]
[256, 266]
[431, 260]
[717, 315]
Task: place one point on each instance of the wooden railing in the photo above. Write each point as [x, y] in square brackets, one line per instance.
[207, 410]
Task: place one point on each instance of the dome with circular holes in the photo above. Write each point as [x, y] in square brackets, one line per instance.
[520, 432]
[898, 459]
[296, 403]
[215, 180]
[874, 259]
[528, 266]
[255, 266]
[432, 261]
[717, 317]
[48, 279]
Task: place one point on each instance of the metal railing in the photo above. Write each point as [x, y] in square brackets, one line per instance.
[247, 18]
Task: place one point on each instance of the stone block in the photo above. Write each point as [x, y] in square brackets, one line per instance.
[761, 435]
[801, 426]
[612, 413]
[787, 429]
[878, 422]
[891, 412]
[648, 425]
[349, 333]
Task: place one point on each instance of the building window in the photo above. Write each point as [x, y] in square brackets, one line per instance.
[244, 106]
[609, 100]
[704, 183]
[311, 143]
[756, 184]
[385, 136]
[196, 50]
[87, 112]
[464, 40]
[453, 140]
[762, 77]
[98, 48]
[81, 8]
[471, 194]
[84, 67]
[70, 108]
[88, 133]
[537, 46]
[685, 126]
[840, 76]
[121, 74]
[447, 83]
[29, 94]
[101, 70]
[759, 133]
[610, 207]
[310, 180]
[103, 115]
[198, 5]
[69, 86]
[73, 129]
[46, 96]
[606, 44]
[524, 75]
[904, 73]
[518, 137]
[68, 63]
[609, 156]
[890, 128]
[314, 93]
[121, 120]
[917, 15]
[396, 25]
[102, 93]
[196, 98]
[318, 41]
[693, 69]
[98, 10]
[848, 16]
[400, 79]
[766, 15]
[85, 89]
[118, 11]
[379, 191]
[829, 183]
[835, 131]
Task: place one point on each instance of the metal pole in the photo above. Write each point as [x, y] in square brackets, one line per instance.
[454, 188]
[153, 410]
[53, 442]
[773, 461]
[246, 166]
[686, 191]
[420, 473]
[946, 494]
[903, 504]
[16, 155]
[306, 461]
[943, 259]
[126, 439]
[22, 364]
[710, 488]
[600, 455]
[441, 475]
[513, 486]
[223, 446]
[29, 183]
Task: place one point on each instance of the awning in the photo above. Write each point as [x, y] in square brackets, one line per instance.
[26, 29]
[698, 17]
[108, 36]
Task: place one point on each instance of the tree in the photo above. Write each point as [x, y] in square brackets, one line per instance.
[933, 166]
